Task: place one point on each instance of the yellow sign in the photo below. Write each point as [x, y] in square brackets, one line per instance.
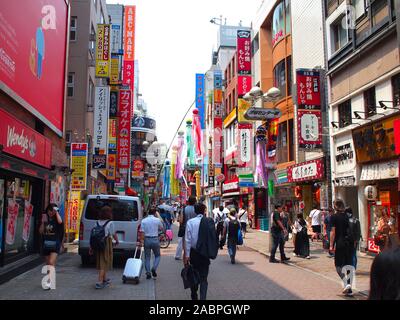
[79, 160]
[230, 118]
[114, 76]
[103, 51]
[111, 166]
[218, 96]
[243, 105]
[75, 205]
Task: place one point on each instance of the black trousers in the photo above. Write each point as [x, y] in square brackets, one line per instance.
[220, 231]
[277, 241]
[201, 265]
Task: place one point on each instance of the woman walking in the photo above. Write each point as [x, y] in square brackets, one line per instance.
[302, 244]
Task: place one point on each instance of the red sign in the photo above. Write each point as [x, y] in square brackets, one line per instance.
[309, 126]
[306, 171]
[138, 165]
[129, 46]
[32, 57]
[124, 127]
[308, 89]
[128, 73]
[244, 85]
[217, 142]
[23, 142]
[396, 127]
[243, 52]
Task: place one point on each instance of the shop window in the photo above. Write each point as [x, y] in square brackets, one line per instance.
[278, 23]
[370, 102]
[73, 33]
[280, 77]
[289, 75]
[291, 140]
[396, 90]
[282, 143]
[345, 114]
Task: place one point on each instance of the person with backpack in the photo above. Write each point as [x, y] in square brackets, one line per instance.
[150, 226]
[186, 214]
[231, 229]
[101, 244]
[302, 244]
[354, 234]
[219, 219]
[199, 247]
[243, 219]
[342, 244]
[278, 233]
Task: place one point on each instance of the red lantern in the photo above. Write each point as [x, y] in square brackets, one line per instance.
[297, 192]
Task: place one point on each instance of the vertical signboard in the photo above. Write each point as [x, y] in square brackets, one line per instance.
[101, 112]
[113, 103]
[114, 74]
[308, 89]
[200, 100]
[112, 134]
[111, 165]
[103, 51]
[309, 129]
[244, 85]
[129, 46]
[245, 143]
[124, 129]
[217, 142]
[244, 52]
[79, 159]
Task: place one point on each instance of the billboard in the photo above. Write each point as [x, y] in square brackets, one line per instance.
[244, 52]
[101, 111]
[129, 46]
[114, 73]
[124, 129]
[79, 160]
[33, 55]
[308, 89]
[309, 129]
[103, 51]
[111, 165]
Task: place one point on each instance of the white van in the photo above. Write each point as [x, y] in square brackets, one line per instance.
[127, 216]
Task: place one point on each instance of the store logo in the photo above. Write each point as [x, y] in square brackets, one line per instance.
[243, 34]
[21, 140]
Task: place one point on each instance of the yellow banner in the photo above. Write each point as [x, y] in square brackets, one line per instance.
[75, 207]
[79, 160]
[230, 118]
[243, 105]
[114, 76]
[217, 96]
[103, 51]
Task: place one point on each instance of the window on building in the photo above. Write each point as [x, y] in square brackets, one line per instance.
[73, 34]
[280, 77]
[339, 35]
[370, 102]
[344, 110]
[291, 139]
[396, 90]
[359, 7]
[71, 84]
[95, 4]
[68, 136]
[101, 16]
[233, 66]
[234, 99]
[288, 18]
[289, 75]
[379, 11]
[255, 44]
[282, 150]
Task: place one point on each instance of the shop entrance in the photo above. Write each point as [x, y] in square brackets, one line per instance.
[261, 209]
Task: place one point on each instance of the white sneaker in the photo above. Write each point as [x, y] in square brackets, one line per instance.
[347, 289]
[308, 257]
[294, 255]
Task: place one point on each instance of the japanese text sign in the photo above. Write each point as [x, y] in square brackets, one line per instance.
[308, 89]
[79, 158]
[309, 129]
[243, 52]
[124, 129]
[245, 143]
[306, 171]
[101, 113]
[129, 33]
[244, 85]
[103, 51]
[200, 101]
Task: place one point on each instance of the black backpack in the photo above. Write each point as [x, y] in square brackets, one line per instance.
[98, 237]
[353, 232]
[233, 229]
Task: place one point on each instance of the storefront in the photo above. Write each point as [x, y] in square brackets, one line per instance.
[284, 192]
[231, 192]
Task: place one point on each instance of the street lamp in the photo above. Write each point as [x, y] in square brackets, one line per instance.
[256, 93]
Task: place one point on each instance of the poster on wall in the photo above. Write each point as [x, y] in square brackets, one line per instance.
[28, 210]
[57, 194]
[12, 212]
[309, 129]
[308, 89]
[79, 159]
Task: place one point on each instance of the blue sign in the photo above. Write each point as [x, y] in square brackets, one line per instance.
[200, 98]
[247, 184]
[217, 79]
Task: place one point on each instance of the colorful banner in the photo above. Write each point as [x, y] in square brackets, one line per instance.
[111, 166]
[28, 210]
[129, 46]
[218, 96]
[309, 124]
[217, 79]
[33, 55]
[217, 142]
[396, 127]
[308, 89]
[128, 74]
[79, 160]
[244, 85]
[200, 98]
[12, 212]
[58, 194]
[101, 111]
[99, 161]
[112, 134]
[124, 129]
[74, 211]
[243, 106]
[23, 142]
[114, 73]
[244, 52]
[245, 143]
[103, 51]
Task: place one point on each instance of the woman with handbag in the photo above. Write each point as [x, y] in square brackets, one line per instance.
[52, 231]
[302, 244]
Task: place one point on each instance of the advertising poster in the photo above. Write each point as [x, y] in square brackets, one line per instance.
[79, 160]
[114, 74]
[74, 211]
[33, 51]
[243, 106]
[12, 211]
[244, 85]
[99, 161]
[57, 194]
[28, 210]
[245, 143]
[101, 111]
[309, 129]
[103, 51]
[308, 89]
[113, 103]
[244, 52]
[200, 98]
[124, 129]
[129, 46]
[111, 166]
[112, 134]
[217, 143]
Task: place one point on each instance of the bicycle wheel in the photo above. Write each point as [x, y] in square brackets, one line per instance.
[164, 241]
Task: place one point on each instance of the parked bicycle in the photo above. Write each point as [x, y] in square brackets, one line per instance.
[164, 240]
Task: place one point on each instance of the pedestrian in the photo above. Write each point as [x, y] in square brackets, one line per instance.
[278, 233]
[243, 219]
[104, 258]
[302, 246]
[385, 276]
[200, 263]
[355, 234]
[150, 227]
[219, 219]
[231, 229]
[187, 214]
[382, 238]
[315, 216]
[341, 246]
[286, 221]
[52, 231]
[327, 230]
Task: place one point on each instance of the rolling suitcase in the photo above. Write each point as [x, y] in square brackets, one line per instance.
[133, 268]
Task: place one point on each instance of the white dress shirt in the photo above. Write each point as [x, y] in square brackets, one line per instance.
[192, 234]
[150, 226]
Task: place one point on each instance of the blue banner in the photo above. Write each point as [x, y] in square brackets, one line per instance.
[217, 79]
[200, 98]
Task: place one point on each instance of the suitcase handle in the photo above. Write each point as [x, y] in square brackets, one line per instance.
[141, 251]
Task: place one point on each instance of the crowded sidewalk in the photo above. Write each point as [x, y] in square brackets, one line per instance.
[319, 263]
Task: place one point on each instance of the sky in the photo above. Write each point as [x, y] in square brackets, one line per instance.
[174, 41]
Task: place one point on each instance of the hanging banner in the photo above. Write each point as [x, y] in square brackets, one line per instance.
[28, 210]
[200, 98]
[112, 134]
[111, 165]
[101, 111]
[12, 212]
[113, 103]
[124, 129]
[306, 171]
[103, 51]
[74, 211]
[218, 96]
[57, 194]
[243, 52]
[217, 79]
[114, 74]
[309, 124]
[79, 160]
[217, 142]
[243, 106]
[308, 89]
[245, 145]
[129, 46]
[244, 85]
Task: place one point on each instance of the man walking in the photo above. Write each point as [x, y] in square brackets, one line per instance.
[243, 219]
[231, 229]
[327, 230]
[191, 256]
[278, 233]
[315, 216]
[355, 234]
[150, 226]
[219, 218]
[187, 214]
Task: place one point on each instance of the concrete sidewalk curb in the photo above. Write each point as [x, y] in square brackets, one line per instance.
[305, 269]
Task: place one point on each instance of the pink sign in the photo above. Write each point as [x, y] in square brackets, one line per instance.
[27, 220]
[13, 208]
[243, 52]
[244, 85]
[124, 128]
